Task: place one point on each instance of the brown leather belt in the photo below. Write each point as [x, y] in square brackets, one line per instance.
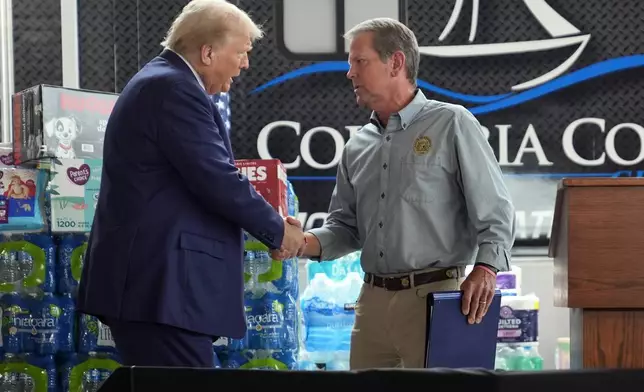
[397, 283]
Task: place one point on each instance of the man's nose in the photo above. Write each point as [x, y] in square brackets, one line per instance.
[245, 63]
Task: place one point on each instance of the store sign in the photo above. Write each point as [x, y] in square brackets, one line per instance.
[555, 101]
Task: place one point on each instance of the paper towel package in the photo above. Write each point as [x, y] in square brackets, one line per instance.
[519, 319]
[74, 188]
[57, 122]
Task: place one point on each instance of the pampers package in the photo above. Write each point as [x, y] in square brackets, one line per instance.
[27, 263]
[21, 192]
[74, 185]
[58, 122]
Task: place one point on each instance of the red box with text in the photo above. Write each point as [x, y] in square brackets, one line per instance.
[268, 176]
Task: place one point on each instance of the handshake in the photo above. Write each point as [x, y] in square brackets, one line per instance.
[293, 243]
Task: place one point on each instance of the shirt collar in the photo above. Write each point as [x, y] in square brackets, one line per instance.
[192, 69]
[406, 114]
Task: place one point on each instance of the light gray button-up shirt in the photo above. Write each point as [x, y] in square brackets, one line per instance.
[426, 191]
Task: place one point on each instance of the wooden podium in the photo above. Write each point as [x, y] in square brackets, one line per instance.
[597, 242]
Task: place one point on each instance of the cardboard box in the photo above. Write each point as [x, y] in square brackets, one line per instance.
[74, 186]
[268, 176]
[57, 122]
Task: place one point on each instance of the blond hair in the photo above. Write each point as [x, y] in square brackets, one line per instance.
[208, 22]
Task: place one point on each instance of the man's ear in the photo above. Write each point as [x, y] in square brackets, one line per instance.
[397, 63]
[207, 54]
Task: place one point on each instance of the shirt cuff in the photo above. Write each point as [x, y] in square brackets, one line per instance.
[494, 255]
[325, 237]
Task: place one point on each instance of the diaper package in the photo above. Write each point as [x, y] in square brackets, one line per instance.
[28, 372]
[59, 122]
[21, 191]
[86, 372]
[74, 185]
[71, 254]
[42, 325]
[94, 336]
[27, 263]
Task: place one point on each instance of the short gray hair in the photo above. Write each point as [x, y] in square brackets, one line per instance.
[389, 36]
[208, 22]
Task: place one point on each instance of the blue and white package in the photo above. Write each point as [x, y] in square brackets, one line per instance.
[291, 200]
[71, 253]
[15, 314]
[264, 275]
[27, 263]
[29, 372]
[38, 325]
[337, 269]
[262, 359]
[81, 372]
[328, 314]
[272, 323]
[67, 332]
[94, 336]
[21, 192]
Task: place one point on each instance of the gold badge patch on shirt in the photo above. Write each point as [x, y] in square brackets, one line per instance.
[422, 145]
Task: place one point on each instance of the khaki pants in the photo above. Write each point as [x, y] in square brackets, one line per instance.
[390, 326]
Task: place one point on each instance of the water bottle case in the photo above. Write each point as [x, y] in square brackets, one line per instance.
[79, 370]
[262, 359]
[41, 371]
[38, 271]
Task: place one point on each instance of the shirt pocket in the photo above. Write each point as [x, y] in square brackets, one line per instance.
[424, 182]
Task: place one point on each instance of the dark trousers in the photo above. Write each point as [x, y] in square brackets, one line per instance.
[149, 344]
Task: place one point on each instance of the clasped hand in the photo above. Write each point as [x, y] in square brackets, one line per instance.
[293, 242]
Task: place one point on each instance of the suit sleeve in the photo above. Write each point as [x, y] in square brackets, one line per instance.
[190, 139]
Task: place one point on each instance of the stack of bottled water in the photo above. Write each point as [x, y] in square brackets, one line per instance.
[40, 330]
[328, 312]
[272, 317]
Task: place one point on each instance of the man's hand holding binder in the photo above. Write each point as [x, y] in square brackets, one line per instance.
[478, 291]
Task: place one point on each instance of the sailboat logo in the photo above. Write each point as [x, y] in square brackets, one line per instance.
[563, 34]
[311, 30]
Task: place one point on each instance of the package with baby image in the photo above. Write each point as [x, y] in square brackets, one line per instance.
[73, 187]
[57, 122]
[21, 191]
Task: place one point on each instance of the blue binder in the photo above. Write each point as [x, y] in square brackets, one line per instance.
[451, 341]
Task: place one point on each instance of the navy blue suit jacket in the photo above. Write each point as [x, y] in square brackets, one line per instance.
[166, 244]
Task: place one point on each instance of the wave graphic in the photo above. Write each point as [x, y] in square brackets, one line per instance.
[487, 103]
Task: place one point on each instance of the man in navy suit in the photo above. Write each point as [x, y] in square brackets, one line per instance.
[164, 263]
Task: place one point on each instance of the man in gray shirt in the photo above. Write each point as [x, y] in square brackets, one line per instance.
[420, 192]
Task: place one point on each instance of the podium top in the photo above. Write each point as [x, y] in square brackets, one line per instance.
[583, 182]
[601, 181]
